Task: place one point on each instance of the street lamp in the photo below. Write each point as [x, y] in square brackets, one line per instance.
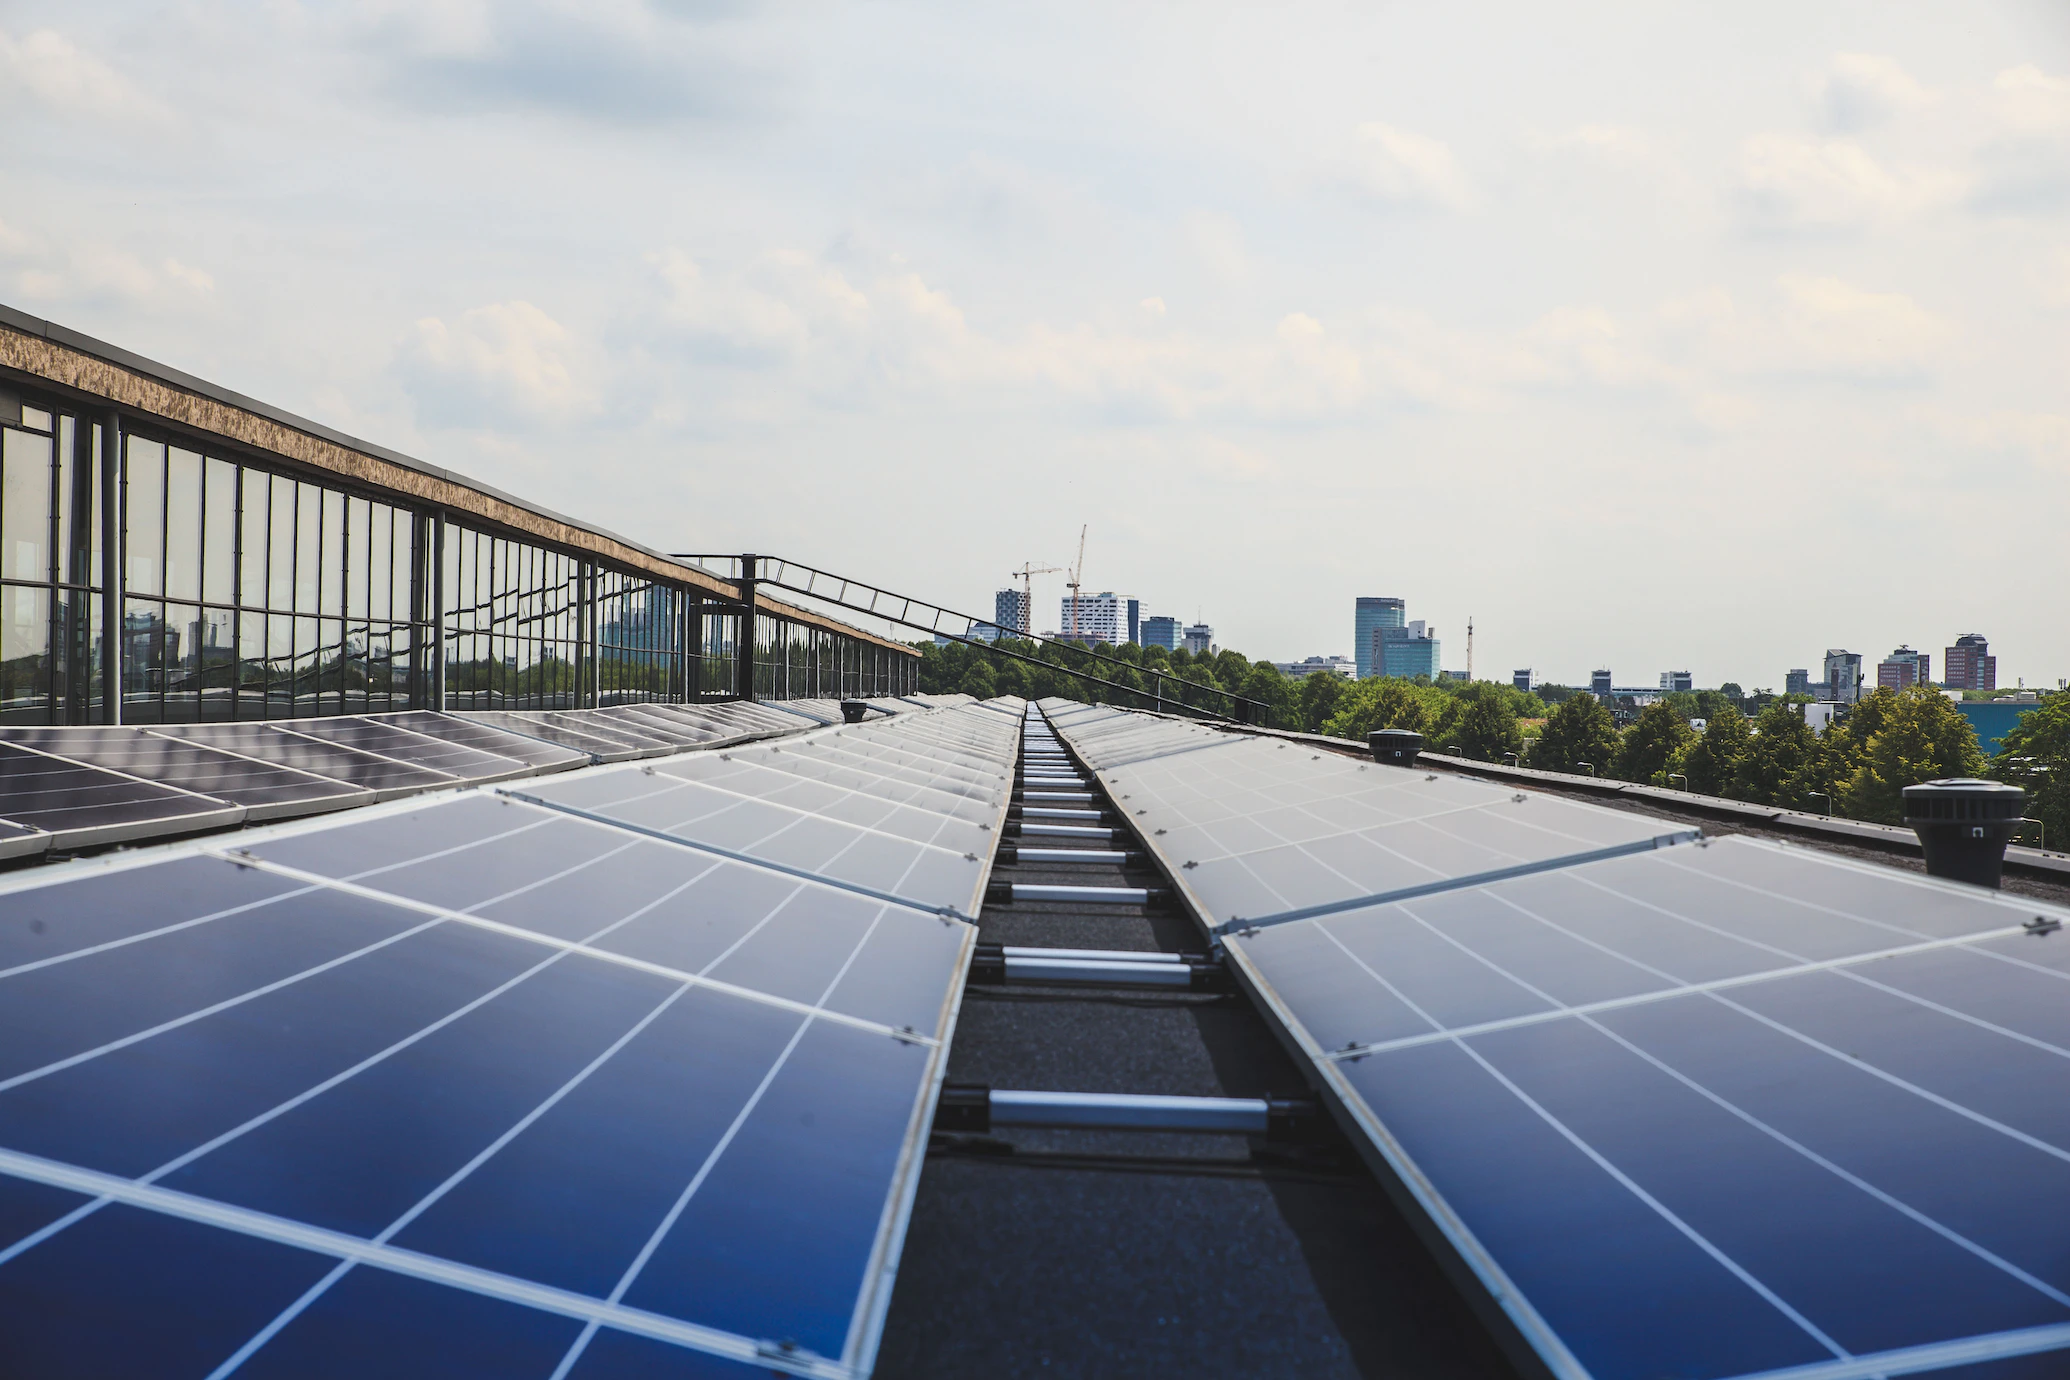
[1590, 765]
[1827, 798]
[1515, 760]
[1685, 780]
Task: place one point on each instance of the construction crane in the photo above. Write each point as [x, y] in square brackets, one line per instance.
[1469, 649]
[1028, 571]
[1077, 574]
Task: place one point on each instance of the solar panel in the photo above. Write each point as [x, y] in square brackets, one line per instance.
[80, 806]
[384, 737]
[465, 1085]
[266, 790]
[369, 771]
[1725, 1109]
[529, 749]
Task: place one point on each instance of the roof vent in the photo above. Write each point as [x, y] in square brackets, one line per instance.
[1963, 825]
[1395, 746]
[852, 711]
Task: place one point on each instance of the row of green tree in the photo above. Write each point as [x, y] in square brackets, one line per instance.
[1858, 767]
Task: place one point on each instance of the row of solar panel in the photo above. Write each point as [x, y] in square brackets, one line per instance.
[1716, 1109]
[625, 1074]
[77, 787]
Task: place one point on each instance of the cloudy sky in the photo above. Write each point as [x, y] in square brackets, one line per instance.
[1649, 335]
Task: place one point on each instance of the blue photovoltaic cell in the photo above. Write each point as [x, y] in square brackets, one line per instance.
[1705, 1111]
[485, 1035]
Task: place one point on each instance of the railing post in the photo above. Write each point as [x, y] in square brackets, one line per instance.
[744, 640]
[112, 563]
[435, 523]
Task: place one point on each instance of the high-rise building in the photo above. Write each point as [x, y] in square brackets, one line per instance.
[1010, 611]
[1599, 682]
[1200, 639]
[1135, 621]
[1163, 632]
[1671, 681]
[1797, 682]
[1405, 652]
[1843, 675]
[1521, 679]
[1102, 617]
[1970, 664]
[1373, 613]
[1903, 669]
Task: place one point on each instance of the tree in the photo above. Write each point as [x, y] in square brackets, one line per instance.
[1578, 730]
[1716, 704]
[1376, 703]
[1782, 744]
[979, 681]
[1317, 699]
[1921, 736]
[2035, 754]
[1659, 735]
[1710, 761]
[1488, 728]
[1265, 684]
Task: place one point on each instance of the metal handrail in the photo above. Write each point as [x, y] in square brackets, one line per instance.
[906, 611]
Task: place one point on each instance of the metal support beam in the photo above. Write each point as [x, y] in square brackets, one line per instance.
[112, 572]
[744, 640]
[971, 1107]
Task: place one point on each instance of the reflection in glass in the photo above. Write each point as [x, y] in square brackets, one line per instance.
[24, 654]
[24, 505]
[182, 524]
[333, 553]
[254, 516]
[147, 647]
[143, 520]
[358, 519]
[280, 548]
[308, 547]
[219, 533]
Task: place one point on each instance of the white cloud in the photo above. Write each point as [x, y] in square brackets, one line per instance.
[1617, 145]
[1401, 168]
[494, 361]
[2030, 101]
[1832, 325]
[1861, 90]
[1797, 182]
[54, 72]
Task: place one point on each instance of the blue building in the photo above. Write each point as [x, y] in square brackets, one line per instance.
[1162, 632]
[1406, 652]
[1373, 613]
[1135, 621]
[1993, 719]
[1009, 611]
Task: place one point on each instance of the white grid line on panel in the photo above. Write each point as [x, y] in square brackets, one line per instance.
[584, 947]
[704, 1170]
[432, 1269]
[1623, 1180]
[1911, 1360]
[1727, 1105]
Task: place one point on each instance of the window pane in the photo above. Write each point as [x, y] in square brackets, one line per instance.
[251, 663]
[280, 548]
[308, 546]
[24, 654]
[144, 653]
[380, 560]
[358, 520]
[280, 666]
[183, 663]
[24, 505]
[143, 522]
[219, 533]
[182, 524]
[333, 552]
[215, 652]
[251, 558]
[401, 580]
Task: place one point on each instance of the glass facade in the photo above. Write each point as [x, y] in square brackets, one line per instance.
[250, 594]
[249, 589]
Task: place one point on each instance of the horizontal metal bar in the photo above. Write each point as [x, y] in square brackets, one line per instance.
[1057, 812]
[1091, 895]
[1111, 955]
[1058, 795]
[1098, 970]
[1130, 1112]
[1066, 831]
[1240, 926]
[1110, 856]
